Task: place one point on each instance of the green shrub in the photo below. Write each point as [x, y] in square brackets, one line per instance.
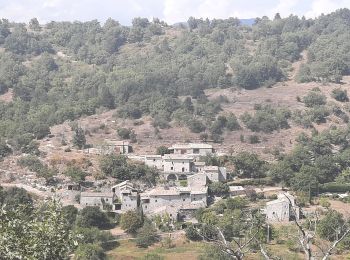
[196, 126]
[314, 98]
[267, 119]
[192, 234]
[124, 133]
[340, 95]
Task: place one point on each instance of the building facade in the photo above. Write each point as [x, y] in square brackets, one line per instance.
[282, 209]
[99, 199]
[192, 149]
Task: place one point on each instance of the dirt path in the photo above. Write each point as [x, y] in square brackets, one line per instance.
[296, 65]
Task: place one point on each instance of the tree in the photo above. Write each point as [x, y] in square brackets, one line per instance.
[43, 234]
[95, 236]
[331, 227]
[249, 165]
[70, 213]
[34, 24]
[161, 150]
[281, 173]
[146, 235]
[106, 98]
[124, 133]
[93, 217]
[192, 234]
[75, 173]
[236, 203]
[79, 139]
[219, 189]
[232, 123]
[131, 221]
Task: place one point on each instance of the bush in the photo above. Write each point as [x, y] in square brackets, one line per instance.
[124, 133]
[192, 234]
[89, 251]
[314, 98]
[147, 235]
[209, 232]
[93, 217]
[236, 203]
[161, 150]
[267, 119]
[31, 162]
[318, 114]
[219, 189]
[196, 126]
[131, 221]
[232, 123]
[340, 95]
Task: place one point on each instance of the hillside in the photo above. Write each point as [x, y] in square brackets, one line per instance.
[238, 87]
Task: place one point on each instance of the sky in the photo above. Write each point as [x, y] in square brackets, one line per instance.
[170, 11]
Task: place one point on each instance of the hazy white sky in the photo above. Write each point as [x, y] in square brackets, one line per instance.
[169, 10]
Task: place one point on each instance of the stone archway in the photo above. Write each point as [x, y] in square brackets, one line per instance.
[171, 177]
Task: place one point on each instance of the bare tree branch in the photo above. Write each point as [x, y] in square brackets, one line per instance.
[336, 242]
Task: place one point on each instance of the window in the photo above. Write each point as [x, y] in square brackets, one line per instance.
[183, 199]
[172, 168]
[183, 169]
[154, 160]
[155, 201]
[145, 207]
[196, 150]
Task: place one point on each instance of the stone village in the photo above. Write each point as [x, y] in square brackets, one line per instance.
[179, 202]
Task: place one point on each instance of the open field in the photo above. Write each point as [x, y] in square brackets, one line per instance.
[182, 250]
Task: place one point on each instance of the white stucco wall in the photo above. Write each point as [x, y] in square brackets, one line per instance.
[177, 166]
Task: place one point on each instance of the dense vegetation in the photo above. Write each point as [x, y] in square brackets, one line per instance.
[46, 230]
[63, 70]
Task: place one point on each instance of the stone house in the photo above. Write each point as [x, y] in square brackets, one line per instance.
[127, 197]
[177, 163]
[215, 173]
[192, 149]
[282, 209]
[104, 200]
[174, 197]
[154, 161]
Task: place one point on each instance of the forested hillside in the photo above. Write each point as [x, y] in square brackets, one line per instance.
[63, 70]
